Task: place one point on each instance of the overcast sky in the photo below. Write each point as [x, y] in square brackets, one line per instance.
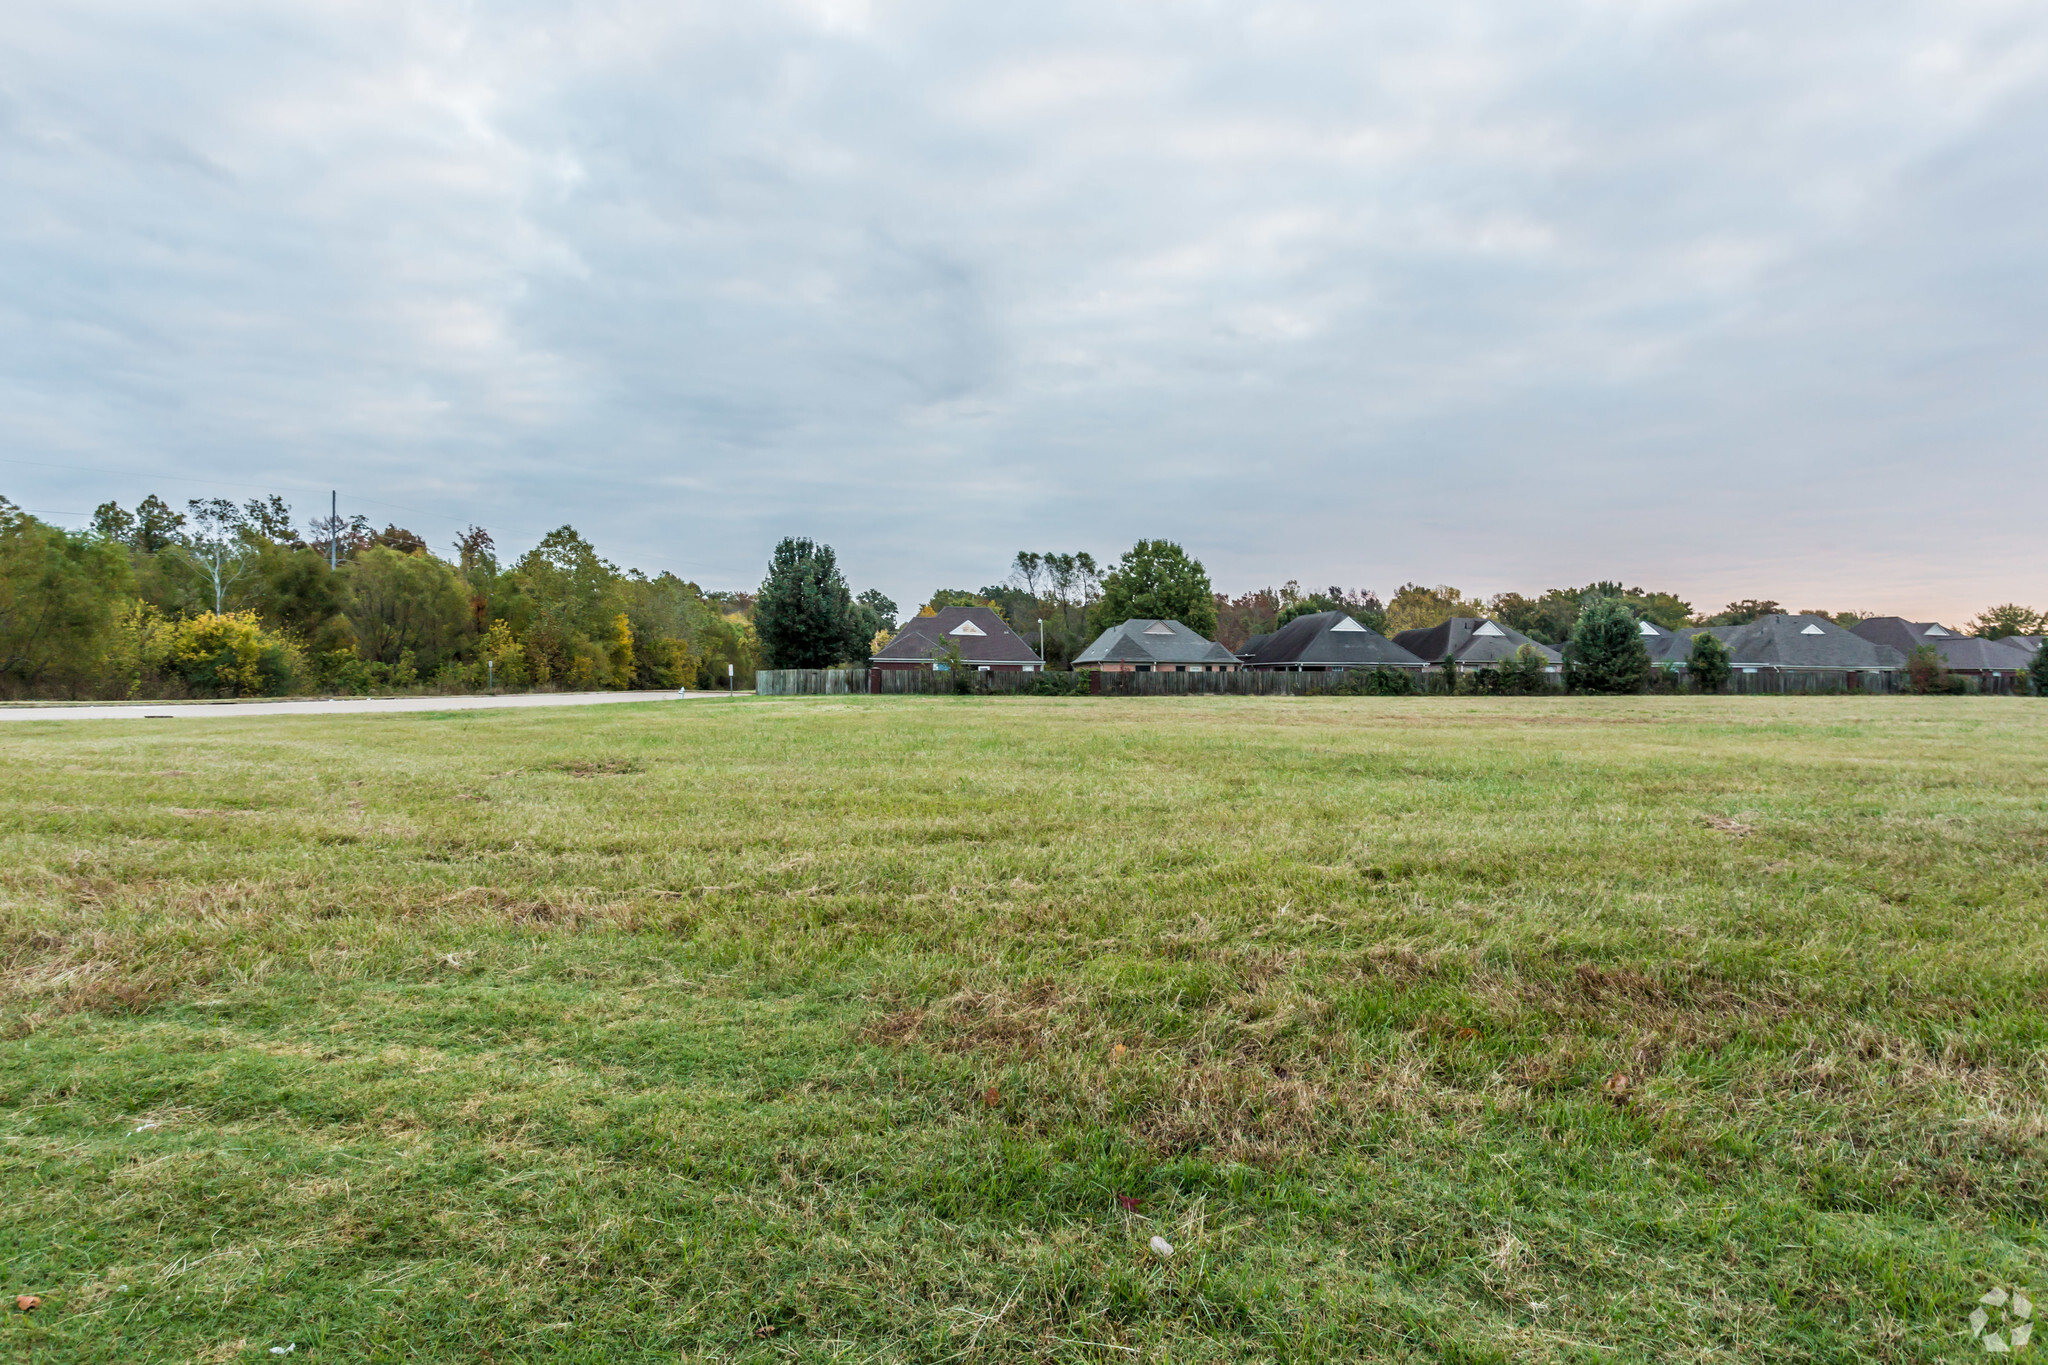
[1727, 299]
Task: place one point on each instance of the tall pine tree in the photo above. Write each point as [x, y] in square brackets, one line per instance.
[1606, 652]
[805, 616]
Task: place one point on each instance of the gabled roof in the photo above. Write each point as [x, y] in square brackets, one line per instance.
[1471, 640]
[1327, 639]
[1666, 646]
[982, 636]
[1957, 650]
[1789, 641]
[1153, 642]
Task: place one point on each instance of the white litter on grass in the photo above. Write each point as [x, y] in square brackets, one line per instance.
[1162, 1246]
[145, 1128]
[284, 1350]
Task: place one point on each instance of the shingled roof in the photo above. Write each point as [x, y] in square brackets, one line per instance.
[983, 638]
[1666, 646]
[1153, 642]
[1789, 641]
[1327, 639]
[1958, 651]
[1471, 640]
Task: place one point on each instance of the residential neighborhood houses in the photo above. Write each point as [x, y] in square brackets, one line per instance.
[975, 636]
[1145, 646]
[227, 600]
[1760, 649]
[1471, 641]
[1998, 663]
[1780, 652]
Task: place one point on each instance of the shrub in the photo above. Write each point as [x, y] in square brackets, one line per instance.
[1054, 684]
[1606, 651]
[1524, 672]
[230, 653]
[2037, 671]
[1374, 682]
[1448, 669]
[1708, 663]
[1926, 671]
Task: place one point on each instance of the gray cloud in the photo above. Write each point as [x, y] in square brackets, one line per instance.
[1733, 298]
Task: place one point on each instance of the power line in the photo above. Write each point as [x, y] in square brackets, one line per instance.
[244, 485]
[175, 479]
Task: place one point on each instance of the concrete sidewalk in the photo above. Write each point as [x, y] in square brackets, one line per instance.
[229, 710]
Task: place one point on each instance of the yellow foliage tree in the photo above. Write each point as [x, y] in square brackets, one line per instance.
[619, 652]
[1418, 608]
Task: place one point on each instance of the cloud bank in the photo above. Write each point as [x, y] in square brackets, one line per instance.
[1730, 298]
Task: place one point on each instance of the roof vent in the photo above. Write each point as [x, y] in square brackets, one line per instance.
[1646, 628]
[967, 628]
[1489, 628]
[1812, 629]
[1159, 628]
[1348, 624]
[1937, 630]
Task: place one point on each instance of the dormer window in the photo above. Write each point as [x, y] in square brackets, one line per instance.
[1159, 628]
[1489, 628]
[1646, 628]
[967, 628]
[1812, 629]
[1347, 624]
[1937, 630]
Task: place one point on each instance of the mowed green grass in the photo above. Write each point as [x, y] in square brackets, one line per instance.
[823, 1029]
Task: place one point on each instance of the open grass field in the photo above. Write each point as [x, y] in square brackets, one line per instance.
[893, 1029]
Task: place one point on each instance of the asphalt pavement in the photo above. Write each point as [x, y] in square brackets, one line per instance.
[336, 706]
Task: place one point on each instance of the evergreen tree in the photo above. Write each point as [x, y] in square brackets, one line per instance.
[1708, 663]
[805, 616]
[1606, 651]
[1156, 580]
[2038, 670]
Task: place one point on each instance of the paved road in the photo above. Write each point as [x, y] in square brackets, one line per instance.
[202, 710]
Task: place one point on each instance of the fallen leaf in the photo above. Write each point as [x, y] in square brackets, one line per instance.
[1727, 826]
[1617, 1087]
[1130, 1205]
[992, 1097]
[27, 1303]
[1116, 1054]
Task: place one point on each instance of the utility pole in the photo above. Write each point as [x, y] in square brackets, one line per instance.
[1041, 642]
[333, 530]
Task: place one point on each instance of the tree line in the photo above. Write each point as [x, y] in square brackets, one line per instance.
[226, 599]
[237, 599]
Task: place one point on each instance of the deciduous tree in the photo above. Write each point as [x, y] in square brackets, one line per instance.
[1157, 580]
[404, 605]
[1418, 608]
[60, 594]
[2009, 618]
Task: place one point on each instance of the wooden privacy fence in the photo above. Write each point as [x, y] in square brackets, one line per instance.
[1777, 681]
[834, 682]
[809, 682]
[1244, 683]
